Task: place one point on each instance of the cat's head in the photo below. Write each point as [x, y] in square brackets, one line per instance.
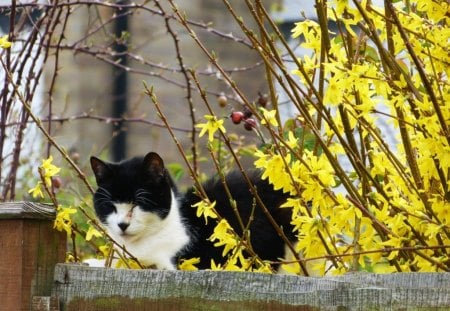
[134, 196]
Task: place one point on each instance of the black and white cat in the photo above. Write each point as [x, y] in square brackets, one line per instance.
[139, 205]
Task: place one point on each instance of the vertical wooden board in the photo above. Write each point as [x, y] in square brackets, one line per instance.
[29, 251]
[57, 241]
[11, 240]
[29, 263]
[42, 249]
[45, 252]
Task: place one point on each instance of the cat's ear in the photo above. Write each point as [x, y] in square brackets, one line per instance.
[154, 165]
[101, 169]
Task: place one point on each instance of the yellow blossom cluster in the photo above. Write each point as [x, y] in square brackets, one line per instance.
[388, 209]
[65, 214]
[63, 220]
[48, 171]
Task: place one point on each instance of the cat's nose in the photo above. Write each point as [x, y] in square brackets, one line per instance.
[123, 226]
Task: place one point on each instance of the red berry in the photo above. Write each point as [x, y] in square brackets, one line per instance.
[237, 117]
[249, 124]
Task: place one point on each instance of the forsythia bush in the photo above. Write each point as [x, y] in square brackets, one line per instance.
[396, 197]
[358, 201]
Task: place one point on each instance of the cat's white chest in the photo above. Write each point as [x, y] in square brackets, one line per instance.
[151, 239]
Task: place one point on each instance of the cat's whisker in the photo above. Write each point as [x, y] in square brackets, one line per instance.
[142, 191]
[143, 196]
[146, 201]
[104, 192]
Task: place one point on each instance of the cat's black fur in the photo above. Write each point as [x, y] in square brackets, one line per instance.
[144, 182]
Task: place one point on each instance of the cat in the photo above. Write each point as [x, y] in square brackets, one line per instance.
[140, 207]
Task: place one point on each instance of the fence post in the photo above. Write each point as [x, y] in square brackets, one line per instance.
[29, 251]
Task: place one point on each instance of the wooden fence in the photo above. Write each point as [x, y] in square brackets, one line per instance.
[29, 249]
[85, 288]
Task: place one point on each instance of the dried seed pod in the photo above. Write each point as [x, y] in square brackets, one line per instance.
[222, 100]
[56, 182]
[263, 99]
[247, 113]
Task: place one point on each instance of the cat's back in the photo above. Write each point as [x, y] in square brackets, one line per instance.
[242, 189]
[237, 188]
[235, 200]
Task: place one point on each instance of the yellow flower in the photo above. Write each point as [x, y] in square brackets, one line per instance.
[442, 210]
[49, 170]
[63, 220]
[211, 126]
[92, 232]
[37, 191]
[189, 264]
[206, 209]
[269, 117]
[264, 268]
[323, 170]
[303, 27]
[291, 140]
[215, 267]
[223, 237]
[105, 249]
[127, 263]
[311, 33]
[4, 43]
[275, 171]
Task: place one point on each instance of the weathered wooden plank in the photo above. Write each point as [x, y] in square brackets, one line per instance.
[81, 287]
[26, 210]
[394, 280]
[29, 250]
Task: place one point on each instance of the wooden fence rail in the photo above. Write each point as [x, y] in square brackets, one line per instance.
[29, 280]
[85, 288]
